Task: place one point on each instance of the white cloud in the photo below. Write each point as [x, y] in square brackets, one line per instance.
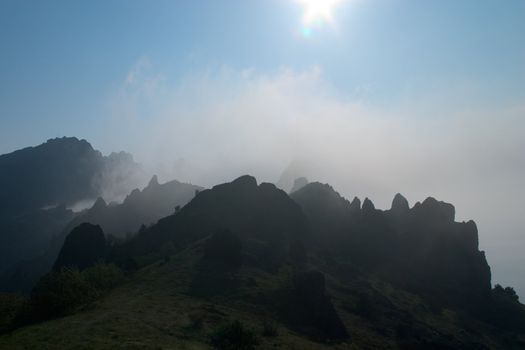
[213, 126]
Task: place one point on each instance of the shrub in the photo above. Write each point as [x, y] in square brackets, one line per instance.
[196, 320]
[103, 277]
[234, 336]
[12, 307]
[59, 293]
[269, 329]
[364, 306]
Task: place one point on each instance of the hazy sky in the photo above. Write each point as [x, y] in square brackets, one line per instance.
[373, 96]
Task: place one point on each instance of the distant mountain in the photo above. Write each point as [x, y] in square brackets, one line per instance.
[62, 171]
[37, 184]
[27, 235]
[140, 208]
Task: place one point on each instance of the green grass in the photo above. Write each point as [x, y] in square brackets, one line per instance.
[153, 309]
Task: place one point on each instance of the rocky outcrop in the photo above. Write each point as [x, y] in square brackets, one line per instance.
[83, 248]
[310, 289]
[433, 211]
[242, 206]
[399, 205]
[355, 206]
[329, 214]
[368, 206]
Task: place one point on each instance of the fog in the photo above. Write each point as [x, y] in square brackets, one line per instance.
[210, 127]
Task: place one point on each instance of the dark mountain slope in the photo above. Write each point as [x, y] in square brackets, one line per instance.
[82, 248]
[28, 235]
[155, 308]
[60, 171]
[328, 213]
[422, 249]
[38, 183]
[141, 207]
[247, 209]
[396, 279]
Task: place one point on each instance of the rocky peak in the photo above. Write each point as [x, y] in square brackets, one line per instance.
[400, 204]
[368, 206]
[244, 181]
[99, 204]
[355, 205]
[83, 247]
[437, 210]
[154, 181]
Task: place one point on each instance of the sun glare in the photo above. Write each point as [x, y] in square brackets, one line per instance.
[318, 12]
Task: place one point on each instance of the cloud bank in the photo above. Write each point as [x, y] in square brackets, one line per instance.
[212, 126]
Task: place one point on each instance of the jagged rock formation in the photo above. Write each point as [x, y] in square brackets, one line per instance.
[327, 211]
[368, 206]
[245, 208]
[83, 248]
[39, 183]
[62, 170]
[399, 205]
[355, 206]
[139, 208]
[386, 274]
[421, 248]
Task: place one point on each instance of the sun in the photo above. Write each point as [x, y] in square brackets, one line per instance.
[318, 12]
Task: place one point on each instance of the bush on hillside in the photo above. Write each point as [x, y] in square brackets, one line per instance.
[103, 277]
[269, 329]
[234, 336]
[61, 292]
[12, 307]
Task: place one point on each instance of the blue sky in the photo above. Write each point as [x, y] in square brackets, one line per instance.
[419, 97]
[61, 60]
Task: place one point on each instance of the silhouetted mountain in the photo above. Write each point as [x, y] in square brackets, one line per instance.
[245, 208]
[423, 248]
[141, 207]
[83, 247]
[27, 235]
[325, 270]
[38, 183]
[61, 171]
[329, 214]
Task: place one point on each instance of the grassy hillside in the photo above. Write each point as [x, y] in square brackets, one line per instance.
[179, 302]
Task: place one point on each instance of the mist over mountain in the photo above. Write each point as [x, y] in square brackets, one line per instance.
[69, 171]
[322, 269]
[39, 183]
[63, 171]
[263, 174]
[325, 270]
